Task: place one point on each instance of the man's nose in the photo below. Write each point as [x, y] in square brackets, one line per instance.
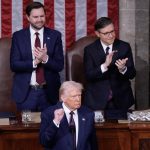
[78, 97]
[110, 34]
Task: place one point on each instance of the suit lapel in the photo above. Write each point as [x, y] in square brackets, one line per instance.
[65, 132]
[81, 132]
[98, 53]
[47, 38]
[64, 124]
[27, 41]
[65, 129]
[115, 48]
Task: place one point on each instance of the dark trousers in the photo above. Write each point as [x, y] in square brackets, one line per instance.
[113, 112]
[110, 105]
[36, 101]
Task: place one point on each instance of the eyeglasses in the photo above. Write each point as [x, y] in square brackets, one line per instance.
[107, 33]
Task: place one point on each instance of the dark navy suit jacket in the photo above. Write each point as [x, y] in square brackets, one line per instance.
[54, 138]
[22, 66]
[98, 83]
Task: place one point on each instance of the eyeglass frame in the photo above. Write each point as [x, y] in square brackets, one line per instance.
[107, 33]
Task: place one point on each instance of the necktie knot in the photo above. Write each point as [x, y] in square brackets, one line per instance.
[71, 113]
[107, 50]
[36, 33]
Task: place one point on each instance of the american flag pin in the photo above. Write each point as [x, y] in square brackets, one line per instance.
[48, 38]
[83, 119]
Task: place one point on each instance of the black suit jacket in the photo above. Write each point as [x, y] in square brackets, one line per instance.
[98, 83]
[54, 138]
[21, 63]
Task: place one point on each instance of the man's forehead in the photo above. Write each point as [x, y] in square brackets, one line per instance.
[72, 91]
[108, 27]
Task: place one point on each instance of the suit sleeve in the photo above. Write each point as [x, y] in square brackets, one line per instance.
[92, 69]
[56, 58]
[131, 71]
[93, 139]
[48, 130]
[20, 59]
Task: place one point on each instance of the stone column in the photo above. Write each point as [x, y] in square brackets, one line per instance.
[134, 28]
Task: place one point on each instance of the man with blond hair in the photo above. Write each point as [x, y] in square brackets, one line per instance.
[68, 125]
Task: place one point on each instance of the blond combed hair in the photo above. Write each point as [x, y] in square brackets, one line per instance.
[67, 86]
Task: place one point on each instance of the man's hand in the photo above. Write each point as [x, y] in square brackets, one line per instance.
[109, 59]
[58, 115]
[120, 63]
[36, 61]
[41, 53]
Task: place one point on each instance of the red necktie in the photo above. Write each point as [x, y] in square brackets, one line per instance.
[39, 70]
[72, 129]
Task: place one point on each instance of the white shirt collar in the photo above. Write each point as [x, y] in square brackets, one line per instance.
[105, 46]
[32, 31]
[67, 110]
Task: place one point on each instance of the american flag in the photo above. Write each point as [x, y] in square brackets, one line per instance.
[73, 18]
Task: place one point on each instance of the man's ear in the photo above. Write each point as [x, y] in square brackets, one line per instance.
[27, 17]
[63, 98]
[97, 33]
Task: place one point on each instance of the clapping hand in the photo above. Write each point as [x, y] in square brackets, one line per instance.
[109, 59]
[120, 63]
[40, 54]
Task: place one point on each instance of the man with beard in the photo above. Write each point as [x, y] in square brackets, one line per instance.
[36, 59]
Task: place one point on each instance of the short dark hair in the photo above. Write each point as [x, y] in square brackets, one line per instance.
[33, 5]
[102, 22]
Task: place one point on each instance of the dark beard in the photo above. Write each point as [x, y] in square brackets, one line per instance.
[35, 27]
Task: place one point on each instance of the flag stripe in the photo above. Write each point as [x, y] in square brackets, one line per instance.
[91, 16]
[16, 21]
[70, 22]
[102, 8]
[42, 1]
[25, 3]
[49, 7]
[80, 18]
[59, 18]
[113, 13]
[73, 18]
[6, 18]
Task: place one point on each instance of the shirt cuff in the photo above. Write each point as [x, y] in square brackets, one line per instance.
[56, 124]
[44, 62]
[34, 66]
[103, 68]
[123, 71]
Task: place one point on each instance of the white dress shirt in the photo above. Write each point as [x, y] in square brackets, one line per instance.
[75, 117]
[103, 68]
[32, 37]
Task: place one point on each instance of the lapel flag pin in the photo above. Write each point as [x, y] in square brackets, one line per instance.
[83, 119]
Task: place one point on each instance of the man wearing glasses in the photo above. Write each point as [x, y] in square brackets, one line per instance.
[109, 67]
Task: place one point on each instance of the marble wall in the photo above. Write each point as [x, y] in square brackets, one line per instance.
[135, 28]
